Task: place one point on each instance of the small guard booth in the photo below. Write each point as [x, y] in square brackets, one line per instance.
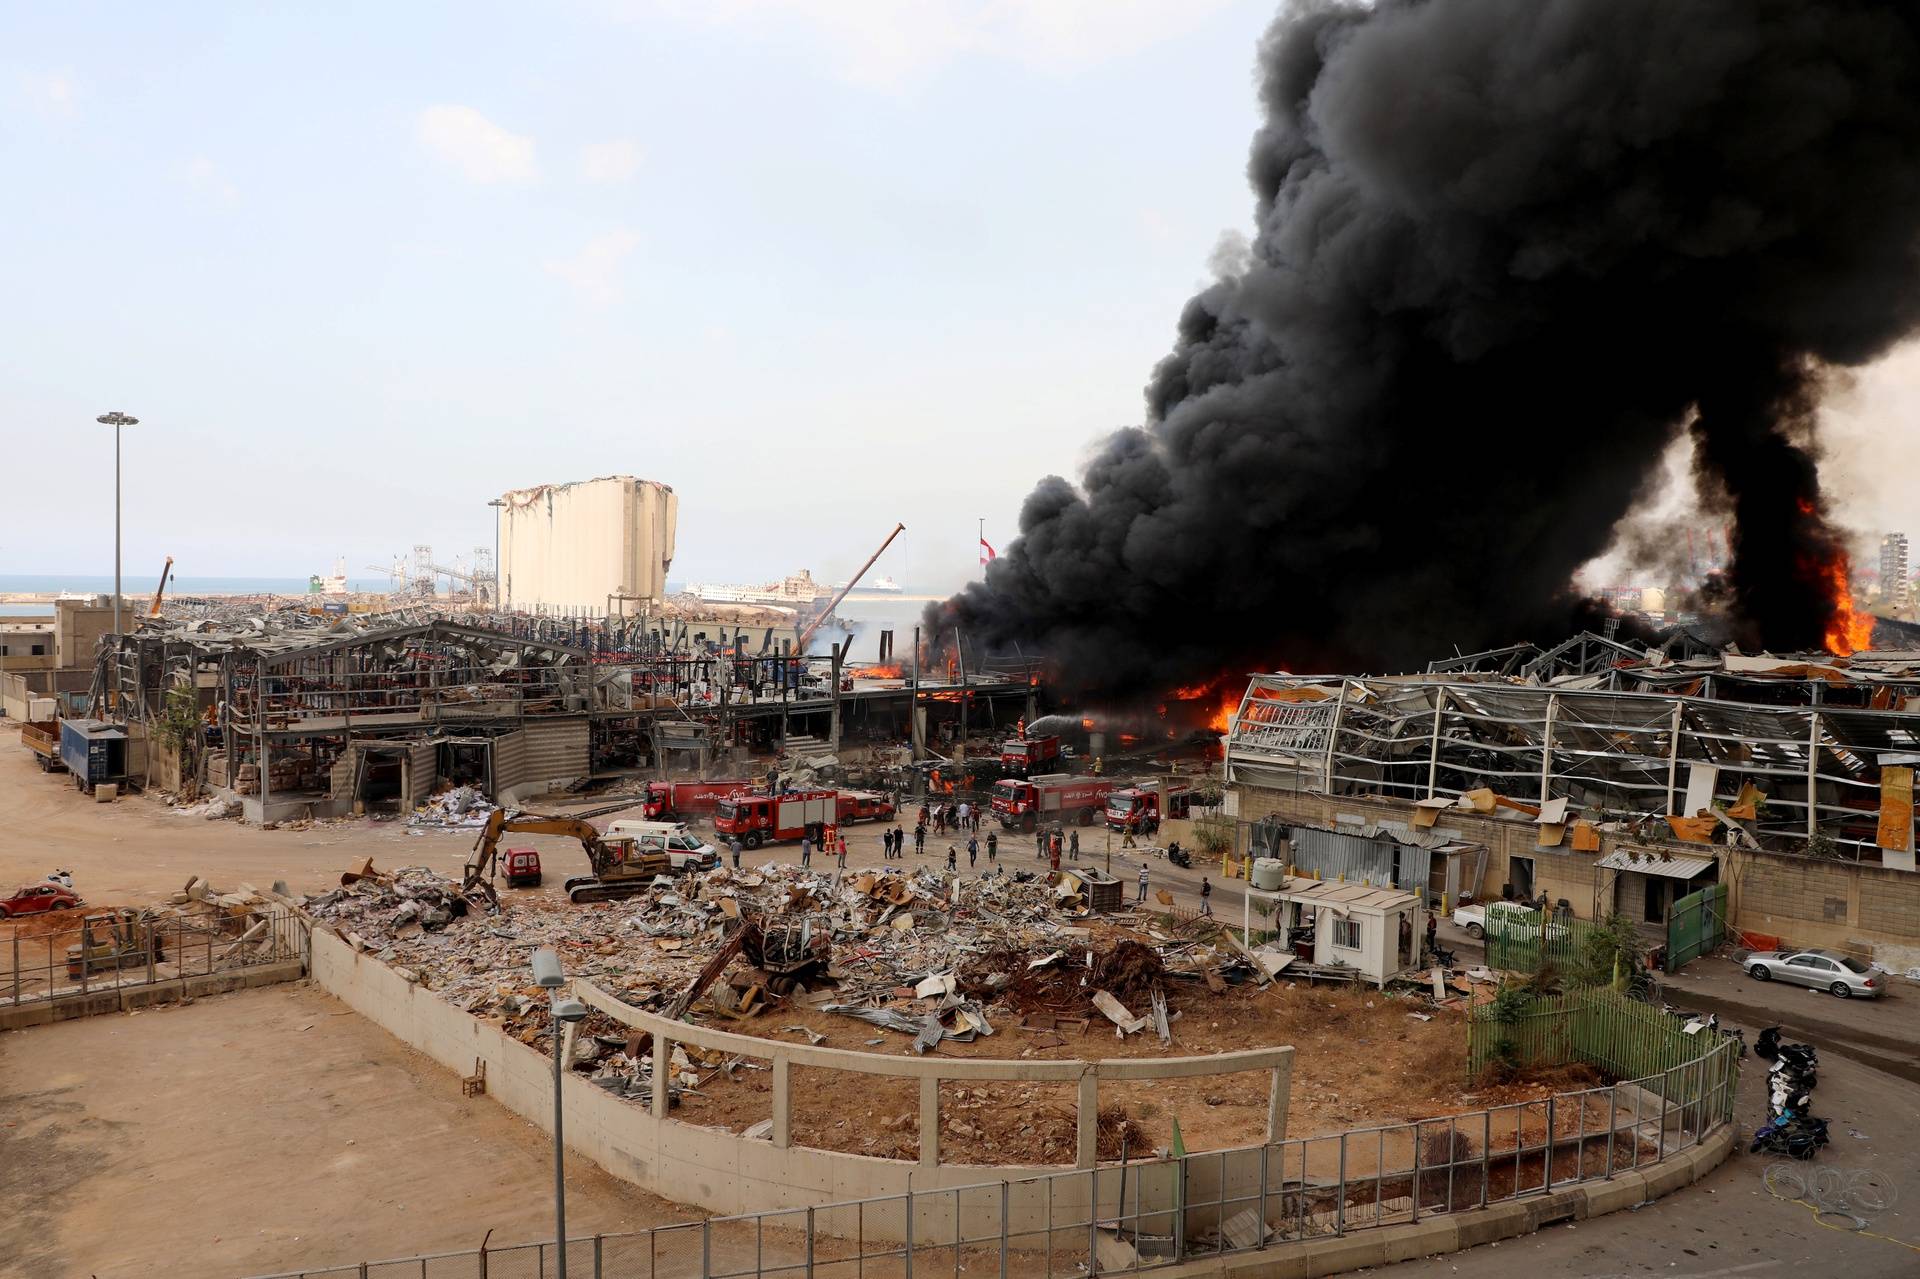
[1377, 931]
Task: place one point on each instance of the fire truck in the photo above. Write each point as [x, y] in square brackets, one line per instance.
[1142, 804]
[678, 801]
[1024, 756]
[774, 819]
[864, 806]
[1053, 797]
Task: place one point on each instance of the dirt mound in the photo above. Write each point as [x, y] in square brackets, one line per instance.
[1130, 968]
[49, 922]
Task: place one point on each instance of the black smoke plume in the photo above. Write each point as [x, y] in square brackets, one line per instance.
[1505, 251]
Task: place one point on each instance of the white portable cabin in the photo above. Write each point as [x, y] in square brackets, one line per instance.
[1356, 925]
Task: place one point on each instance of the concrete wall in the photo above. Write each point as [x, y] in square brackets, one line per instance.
[1871, 911]
[120, 999]
[570, 546]
[722, 1171]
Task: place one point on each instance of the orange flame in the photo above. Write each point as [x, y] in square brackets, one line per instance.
[1850, 630]
[878, 672]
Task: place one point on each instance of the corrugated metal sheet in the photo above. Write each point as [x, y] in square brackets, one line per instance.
[509, 761]
[422, 765]
[556, 750]
[1334, 853]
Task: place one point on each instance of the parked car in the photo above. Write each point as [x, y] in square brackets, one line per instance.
[1839, 975]
[35, 898]
[1505, 919]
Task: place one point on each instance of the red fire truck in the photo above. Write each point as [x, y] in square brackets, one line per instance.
[678, 801]
[1053, 797]
[1142, 804]
[864, 806]
[774, 819]
[1024, 756]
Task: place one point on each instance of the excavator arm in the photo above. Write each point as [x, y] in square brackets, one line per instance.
[486, 850]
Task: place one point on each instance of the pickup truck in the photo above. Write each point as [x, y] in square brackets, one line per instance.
[42, 737]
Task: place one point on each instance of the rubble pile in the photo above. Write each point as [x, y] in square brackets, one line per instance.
[919, 953]
[454, 807]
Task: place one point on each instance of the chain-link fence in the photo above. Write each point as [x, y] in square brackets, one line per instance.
[1156, 1213]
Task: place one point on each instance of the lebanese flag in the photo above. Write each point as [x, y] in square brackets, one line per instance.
[986, 553]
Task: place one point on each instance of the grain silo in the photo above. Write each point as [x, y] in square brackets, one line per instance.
[589, 547]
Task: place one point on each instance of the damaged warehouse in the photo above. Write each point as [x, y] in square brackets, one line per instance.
[1614, 778]
[378, 714]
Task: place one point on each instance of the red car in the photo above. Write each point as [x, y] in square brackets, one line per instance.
[38, 897]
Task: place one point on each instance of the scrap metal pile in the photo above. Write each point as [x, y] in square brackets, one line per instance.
[928, 956]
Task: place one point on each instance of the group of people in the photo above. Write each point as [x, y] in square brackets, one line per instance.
[950, 816]
[825, 836]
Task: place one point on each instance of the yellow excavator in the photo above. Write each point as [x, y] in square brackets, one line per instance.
[619, 868]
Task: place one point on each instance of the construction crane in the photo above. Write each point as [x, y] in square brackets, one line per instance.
[161, 589]
[618, 869]
[806, 636]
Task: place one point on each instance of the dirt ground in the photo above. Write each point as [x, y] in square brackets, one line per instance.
[1362, 1059]
[261, 1131]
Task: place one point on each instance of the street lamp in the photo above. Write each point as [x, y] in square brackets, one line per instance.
[116, 420]
[498, 574]
[548, 975]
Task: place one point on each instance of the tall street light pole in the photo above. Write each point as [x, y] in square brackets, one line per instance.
[116, 420]
[498, 574]
[547, 974]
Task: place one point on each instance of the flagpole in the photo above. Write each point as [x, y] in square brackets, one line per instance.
[983, 541]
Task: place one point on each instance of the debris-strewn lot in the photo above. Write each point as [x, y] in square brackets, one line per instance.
[1013, 965]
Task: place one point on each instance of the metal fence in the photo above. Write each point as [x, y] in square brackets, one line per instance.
[91, 952]
[1159, 1212]
[1528, 941]
[1596, 1025]
[1696, 924]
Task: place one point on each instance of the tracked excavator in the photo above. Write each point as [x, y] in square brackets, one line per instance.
[619, 868]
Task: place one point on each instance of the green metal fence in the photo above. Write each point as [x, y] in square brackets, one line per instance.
[1595, 1025]
[1695, 925]
[1528, 941]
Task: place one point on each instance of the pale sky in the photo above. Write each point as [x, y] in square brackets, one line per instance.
[821, 265]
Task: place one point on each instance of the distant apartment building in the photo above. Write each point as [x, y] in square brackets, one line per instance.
[1896, 587]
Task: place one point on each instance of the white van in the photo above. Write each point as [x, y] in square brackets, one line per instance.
[686, 850]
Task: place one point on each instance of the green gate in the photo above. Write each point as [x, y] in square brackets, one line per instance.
[1696, 924]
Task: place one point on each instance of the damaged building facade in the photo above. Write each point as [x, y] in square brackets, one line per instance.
[1609, 778]
[299, 717]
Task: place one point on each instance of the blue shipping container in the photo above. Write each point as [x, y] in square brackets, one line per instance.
[93, 750]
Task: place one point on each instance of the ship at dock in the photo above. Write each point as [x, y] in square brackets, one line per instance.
[796, 591]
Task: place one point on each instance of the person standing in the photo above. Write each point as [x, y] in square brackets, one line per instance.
[953, 858]
[733, 846]
[919, 841]
[840, 850]
[1206, 897]
[1132, 825]
[993, 849]
[973, 852]
[1143, 883]
[1073, 845]
[966, 811]
[806, 848]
